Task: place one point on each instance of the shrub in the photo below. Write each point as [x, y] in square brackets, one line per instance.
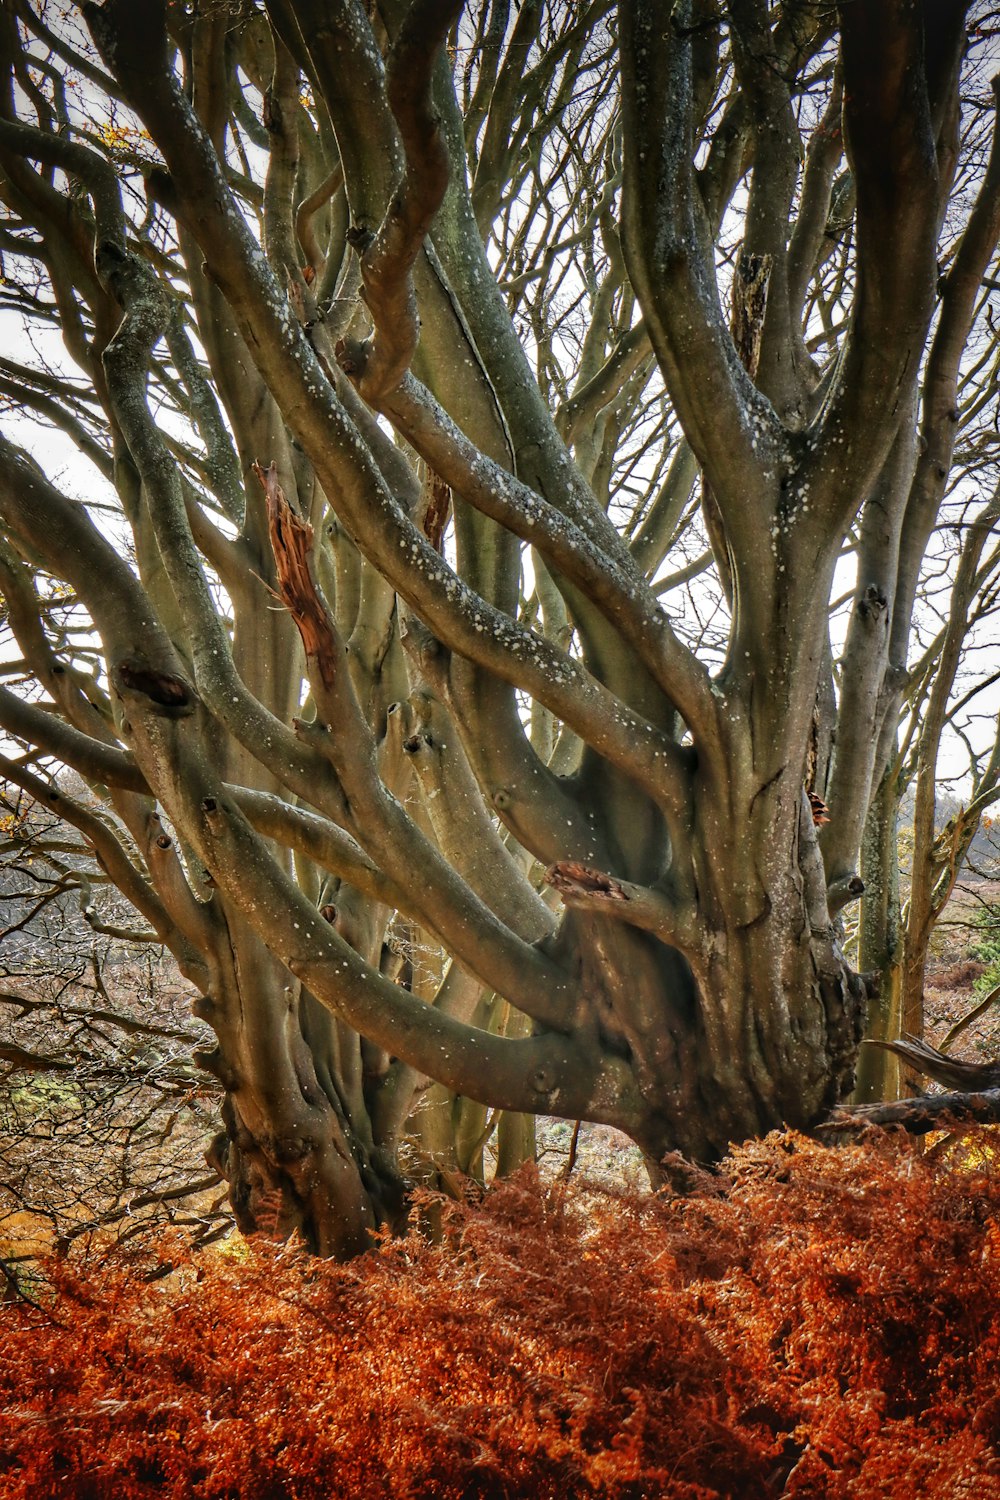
[987, 950]
[963, 973]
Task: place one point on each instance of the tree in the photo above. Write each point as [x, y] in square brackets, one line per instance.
[443, 531]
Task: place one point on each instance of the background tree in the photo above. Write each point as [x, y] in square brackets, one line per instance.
[442, 530]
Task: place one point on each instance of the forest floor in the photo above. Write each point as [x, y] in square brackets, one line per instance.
[955, 974]
[811, 1322]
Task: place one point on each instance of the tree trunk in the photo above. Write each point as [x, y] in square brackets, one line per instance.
[782, 1017]
[880, 943]
[323, 1187]
[297, 1149]
[414, 462]
[757, 1031]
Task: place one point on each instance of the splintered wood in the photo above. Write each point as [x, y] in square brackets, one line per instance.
[571, 878]
[291, 543]
[437, 502]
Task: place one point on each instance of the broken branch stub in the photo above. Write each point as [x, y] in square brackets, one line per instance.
[292, 542]
[573, 879]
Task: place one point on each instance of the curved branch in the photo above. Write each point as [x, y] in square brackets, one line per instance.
[110, 854]
[307, 211]
[618, 588]
[126, 361]
[953, 1072]
[335, 40]
[823, 155]
[92, 759]
[446, 903]
[547, 1073]
[919, 1116]
[891, 147]
[52, 409]
[55, 150]
[43, 522]
[387, 260]
[842, 892]
[330, 847]
[463, 828]
[665, 238]
[767, 88]
[585, 405]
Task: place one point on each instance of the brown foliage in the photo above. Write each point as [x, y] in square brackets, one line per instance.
[960, 975]
[810, 1323]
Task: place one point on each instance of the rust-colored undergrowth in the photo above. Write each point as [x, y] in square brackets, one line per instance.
[810, 1323]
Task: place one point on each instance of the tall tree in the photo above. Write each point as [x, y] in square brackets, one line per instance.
[443, 626]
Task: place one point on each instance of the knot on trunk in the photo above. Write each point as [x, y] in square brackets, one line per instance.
[872, 604]
[164, 689]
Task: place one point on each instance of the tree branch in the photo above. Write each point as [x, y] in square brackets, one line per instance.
[891, 147]
[479, 940]
[587, 889]
[398, 549]
[548, 1073]
[618, 589]
[94, 760]
[731, 427]
[387, 260]
[919, 1116]
[110, 854]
